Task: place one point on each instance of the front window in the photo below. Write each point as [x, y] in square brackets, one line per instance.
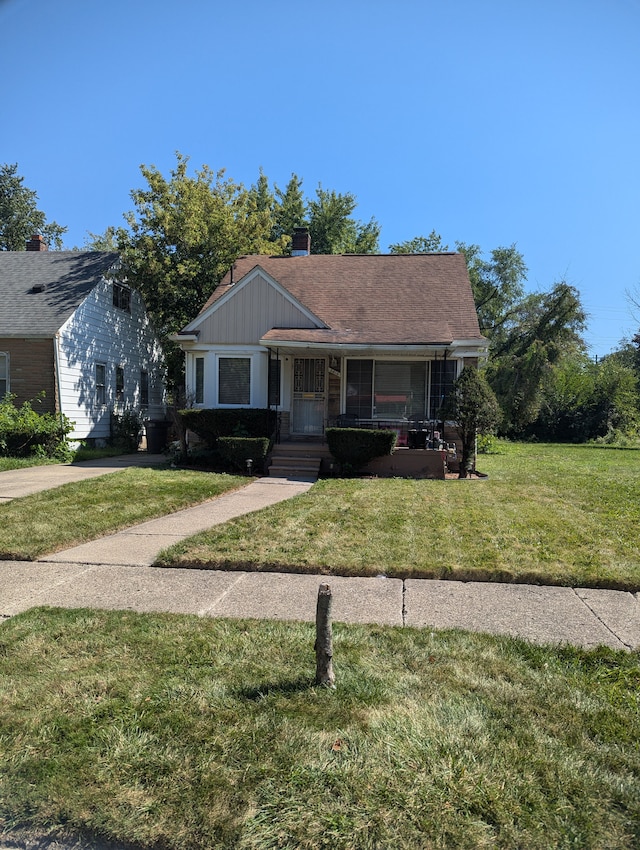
[119, 383]
[274, 382]
[4, 374]
[443, 376]
[234, 380]
[398, 390]
[199, 380]
[101, 389]
[144, 388]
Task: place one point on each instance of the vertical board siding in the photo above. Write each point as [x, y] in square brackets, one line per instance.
[252, 311]
[98, 332]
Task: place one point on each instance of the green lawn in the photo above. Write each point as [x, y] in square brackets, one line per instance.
[549, 514]
[74, 513]
[192, 734]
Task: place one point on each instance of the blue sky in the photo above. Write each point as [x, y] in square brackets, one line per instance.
[493, 122]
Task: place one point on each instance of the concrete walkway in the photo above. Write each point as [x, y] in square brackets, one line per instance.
[116, 572]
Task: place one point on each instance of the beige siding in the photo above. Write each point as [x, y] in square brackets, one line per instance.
[251, 311]
[31, 370]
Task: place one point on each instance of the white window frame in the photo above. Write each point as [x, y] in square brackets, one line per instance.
[235, 356]
[102, 386]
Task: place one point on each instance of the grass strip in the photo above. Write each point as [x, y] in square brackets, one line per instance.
[74, 513]
[547, 514]
[178, 732]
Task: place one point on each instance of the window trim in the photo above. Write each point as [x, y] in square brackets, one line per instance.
[144, 388]
[234, 356]
[198, 379]
[122, 297]
[119, 384]
[101, 387]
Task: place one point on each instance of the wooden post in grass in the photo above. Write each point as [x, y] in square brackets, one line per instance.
[324, 639]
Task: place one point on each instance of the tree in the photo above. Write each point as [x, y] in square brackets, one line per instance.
[474, 408]
[586, 400]
[183, 235]
[497, 284]
[289, 211]
[332, 229]
[107, 241]
[431, 244]
[20, 217]
[541, 329]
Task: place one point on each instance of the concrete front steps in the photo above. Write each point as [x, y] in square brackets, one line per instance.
[298, 460]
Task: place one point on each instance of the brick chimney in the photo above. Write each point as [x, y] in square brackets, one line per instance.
[36, 243]
[301, 242]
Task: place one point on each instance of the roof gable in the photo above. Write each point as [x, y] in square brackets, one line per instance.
[228, 291]
[41, 290]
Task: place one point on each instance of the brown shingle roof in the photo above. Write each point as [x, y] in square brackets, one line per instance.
[383, 299]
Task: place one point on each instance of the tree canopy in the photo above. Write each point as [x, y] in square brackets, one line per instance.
[20, 217]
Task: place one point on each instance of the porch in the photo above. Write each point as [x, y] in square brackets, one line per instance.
[311, 458]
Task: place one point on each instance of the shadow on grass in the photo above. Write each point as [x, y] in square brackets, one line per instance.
[293, 686]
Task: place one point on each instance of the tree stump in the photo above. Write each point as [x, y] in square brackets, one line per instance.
[324, 639]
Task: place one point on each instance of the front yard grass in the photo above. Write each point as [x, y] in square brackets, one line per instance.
[547, 514]
[189, 734]
[74, 513]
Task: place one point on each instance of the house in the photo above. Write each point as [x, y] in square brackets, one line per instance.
[69, 329]
[376, 339]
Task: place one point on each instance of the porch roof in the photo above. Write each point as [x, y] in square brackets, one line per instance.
[329, 337]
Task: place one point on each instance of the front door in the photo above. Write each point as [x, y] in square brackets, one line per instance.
[309, 396]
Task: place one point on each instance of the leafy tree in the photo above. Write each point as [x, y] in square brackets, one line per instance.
[474, 408]
[332, 229]
[431, 244]
[587, 400]
[289, 211]
[107, 241]
[183, 236]
[542, 328]
[20, 217]
[497, 284]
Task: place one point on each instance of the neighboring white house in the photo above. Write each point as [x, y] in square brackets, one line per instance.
[69, 329]
[379, 339]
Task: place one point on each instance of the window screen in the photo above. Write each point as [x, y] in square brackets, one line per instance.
[234, 380]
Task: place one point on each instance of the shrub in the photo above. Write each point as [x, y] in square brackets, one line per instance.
[25, 432]
[355, 447]
[126, 430]
[211, 423]
[238, 450]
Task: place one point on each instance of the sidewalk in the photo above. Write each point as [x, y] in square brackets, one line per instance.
[34, 479]
[116, 572]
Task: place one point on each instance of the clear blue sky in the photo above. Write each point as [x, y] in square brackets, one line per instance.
[492, 122]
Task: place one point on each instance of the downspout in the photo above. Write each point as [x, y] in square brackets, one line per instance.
[56, 358]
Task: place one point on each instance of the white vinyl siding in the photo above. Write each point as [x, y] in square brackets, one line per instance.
[99, 332]
[253, 310]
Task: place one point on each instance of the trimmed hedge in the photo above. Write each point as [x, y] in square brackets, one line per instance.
[238, 450]
[212, 423]
[355, 447]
